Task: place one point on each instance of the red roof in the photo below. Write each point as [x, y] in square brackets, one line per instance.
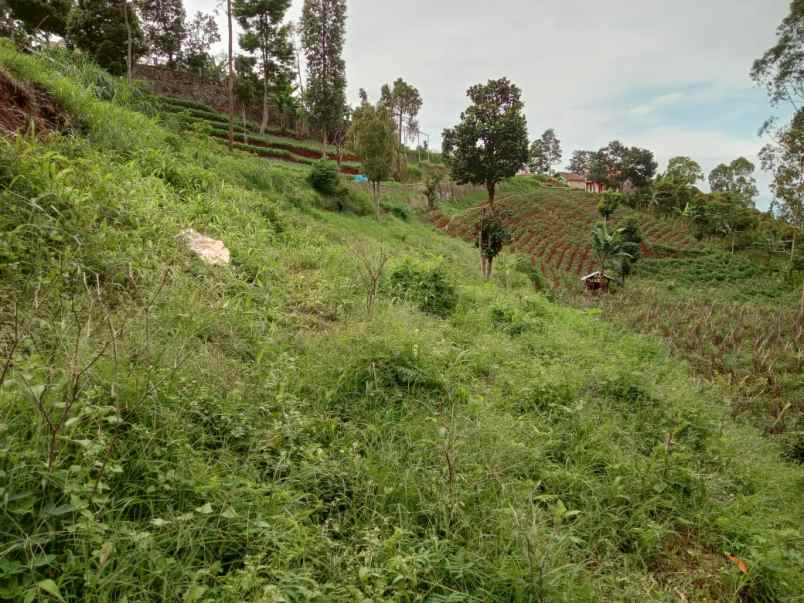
[570, 177]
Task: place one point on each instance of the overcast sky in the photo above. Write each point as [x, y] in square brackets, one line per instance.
[668, 76]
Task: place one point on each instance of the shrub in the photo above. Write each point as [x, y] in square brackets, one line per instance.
[529, 269]
[400, 210]
[324, 177]
[512, 320]
[424, 284]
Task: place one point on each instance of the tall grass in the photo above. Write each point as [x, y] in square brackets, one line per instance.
[248, 433]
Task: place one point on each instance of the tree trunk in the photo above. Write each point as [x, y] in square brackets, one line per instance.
[324, 142]
[245, 126]
[129, 42]
[264, 123]
[230, 82]
[376, 190]
[800, 319]
[491, 187]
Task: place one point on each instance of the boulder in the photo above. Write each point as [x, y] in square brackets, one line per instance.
[210, 251]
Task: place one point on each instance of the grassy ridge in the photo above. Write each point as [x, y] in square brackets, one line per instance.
[249, 433]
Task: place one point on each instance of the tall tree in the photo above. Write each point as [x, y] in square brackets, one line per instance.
[545, 152]
[780, 68]
[580, 162]
[267, 36]
[736, 178]
[684, 171]
[404, 102]
[784, 159]
[231, 77]
[491, 142]
[201, 33]
[163, 24]
[373, 137]
[323, 27]
[98, 27]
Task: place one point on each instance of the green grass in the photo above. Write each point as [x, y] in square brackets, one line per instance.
[249, 433]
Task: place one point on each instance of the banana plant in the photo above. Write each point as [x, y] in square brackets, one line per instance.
[612, 249]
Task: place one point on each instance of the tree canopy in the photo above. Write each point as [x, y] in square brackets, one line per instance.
[545, 152]
[491, 141]
[323, 26]
[684, 170]
[99, 28]
[373, 138]
[736, 178]
[164, 29]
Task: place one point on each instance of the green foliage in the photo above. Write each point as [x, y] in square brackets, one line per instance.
[323, 25]
[403, 102]
[98, 27]
[491, 142]
[45, 16]
[374, 141]
[545, 152]
[243, 433]
[736, 179]
[163, 25]
[324, 177]
[424, 283]
[609, 204]
[684, 171]
[514, 321]
[613, 250]
[432, 189]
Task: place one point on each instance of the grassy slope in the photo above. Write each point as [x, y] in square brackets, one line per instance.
[273, 145]
[249, 434]
[731, 317]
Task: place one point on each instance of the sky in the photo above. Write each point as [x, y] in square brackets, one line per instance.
[672, 77]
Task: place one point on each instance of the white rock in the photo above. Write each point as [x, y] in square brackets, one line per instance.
[211, 251]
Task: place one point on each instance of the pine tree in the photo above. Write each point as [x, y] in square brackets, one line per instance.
[265, 35]
[323, 32]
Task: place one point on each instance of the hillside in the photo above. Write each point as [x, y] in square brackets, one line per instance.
[731, 316]
[260, 431]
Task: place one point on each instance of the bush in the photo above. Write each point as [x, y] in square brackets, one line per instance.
[424, 284]
[400, 210]
[324, 177]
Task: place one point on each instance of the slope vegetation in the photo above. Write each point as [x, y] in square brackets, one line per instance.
[261, 432]
[732, 316]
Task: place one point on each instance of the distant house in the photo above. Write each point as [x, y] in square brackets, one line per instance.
[574, 180]
[581, 183]
[597, 281]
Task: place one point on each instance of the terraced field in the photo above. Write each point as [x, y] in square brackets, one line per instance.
[553, 227]
[273, 145]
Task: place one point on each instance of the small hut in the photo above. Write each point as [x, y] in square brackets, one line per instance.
[597, 282]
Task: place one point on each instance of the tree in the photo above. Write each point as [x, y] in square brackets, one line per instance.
[373, 139]
[491, 142]
[99, 28]
[246, 87]
[323, 27]
[404, 102]
[490, 237]
[632, 235]
[46, 17]
[163, 24]
[581, 162]
[231, 77]
[780, 68]
[200, 34]
[736, 178]
[285, 101]
[609, 204]
[684, 170]
[611, 248]
[265, 35]
[545, 152]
